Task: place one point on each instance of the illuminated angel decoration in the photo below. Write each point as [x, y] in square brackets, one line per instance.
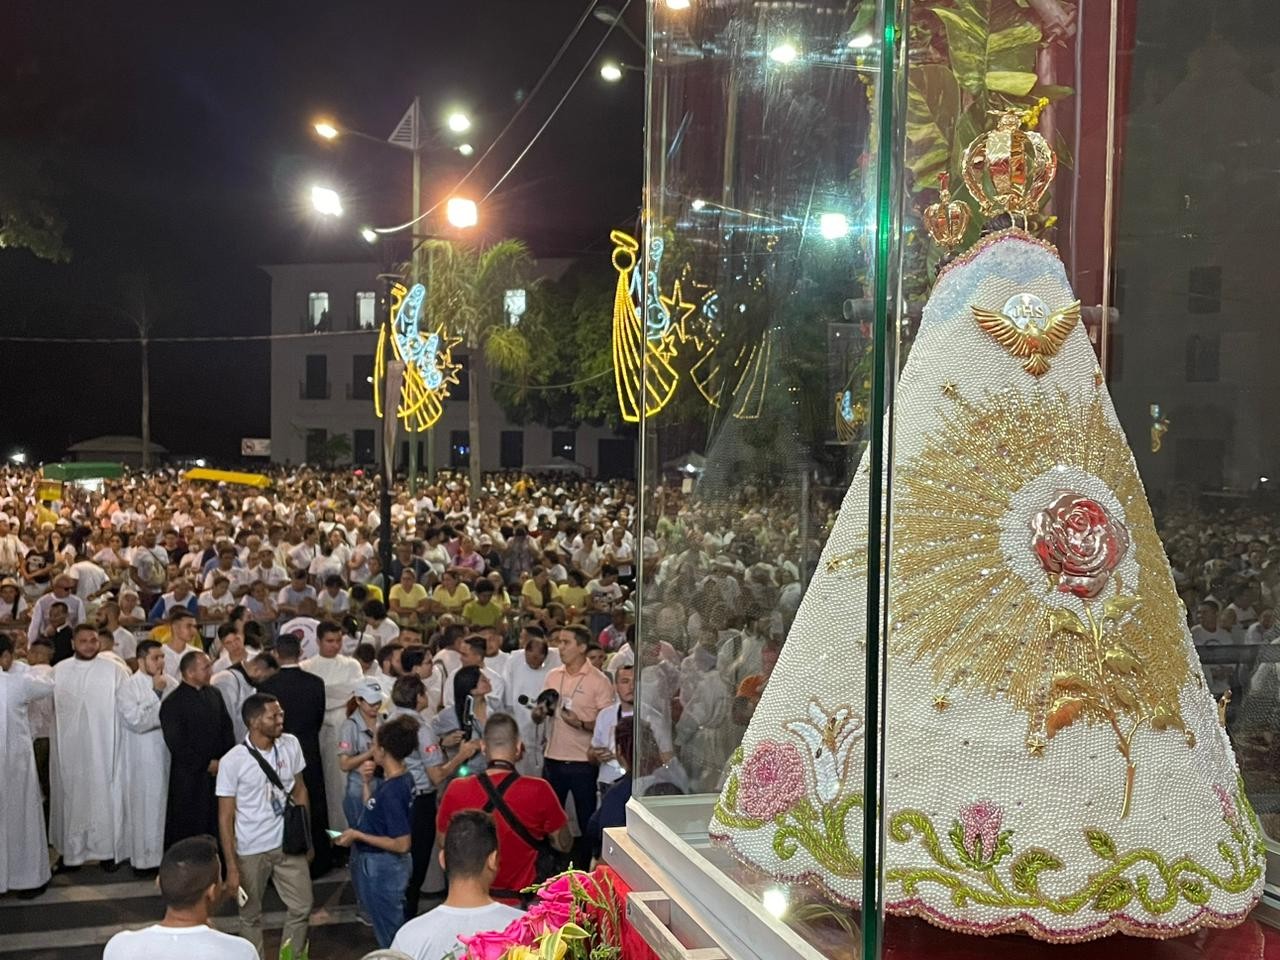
[642, 369]
[428, 359]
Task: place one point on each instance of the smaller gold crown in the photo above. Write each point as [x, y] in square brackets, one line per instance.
[948, 219]
[1008, 169]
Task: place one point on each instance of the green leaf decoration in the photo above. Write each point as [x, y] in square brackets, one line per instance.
[1013, 82]
[1116, 607]
[1027, 868]
[1119, 660]
[988, 37]
[572, 931]
[1062, 619]
[1115, 895]
[1101, 844]
[1195, 891]
[933, 106]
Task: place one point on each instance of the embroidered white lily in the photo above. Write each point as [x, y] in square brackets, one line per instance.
[830, 737]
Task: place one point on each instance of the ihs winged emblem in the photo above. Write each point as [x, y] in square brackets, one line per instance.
[1025, 327]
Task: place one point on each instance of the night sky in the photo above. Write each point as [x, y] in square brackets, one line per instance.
[176, 139]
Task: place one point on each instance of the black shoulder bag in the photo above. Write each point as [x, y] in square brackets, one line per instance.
[297, 823]
[547, 863]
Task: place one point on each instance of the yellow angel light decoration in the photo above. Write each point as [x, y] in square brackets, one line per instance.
[429, 369]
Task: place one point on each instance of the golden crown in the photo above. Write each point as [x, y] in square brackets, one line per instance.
[1008, 169]
[948, 219]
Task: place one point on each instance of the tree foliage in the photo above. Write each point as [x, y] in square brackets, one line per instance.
[28, 218]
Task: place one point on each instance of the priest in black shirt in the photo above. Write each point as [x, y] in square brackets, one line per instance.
[197, 731]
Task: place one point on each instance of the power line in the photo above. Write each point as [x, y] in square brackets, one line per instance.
[222, 339]
[590, 60]
[573, 34]
[552, 386]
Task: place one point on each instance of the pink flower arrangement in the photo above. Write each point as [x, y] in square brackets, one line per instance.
[581, 907]
[772, 780]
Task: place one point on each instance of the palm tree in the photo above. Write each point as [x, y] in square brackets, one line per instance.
[465, 290]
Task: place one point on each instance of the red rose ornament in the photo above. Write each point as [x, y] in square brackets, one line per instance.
[1078, 542]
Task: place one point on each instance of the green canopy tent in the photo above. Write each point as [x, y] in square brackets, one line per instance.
[70, 472]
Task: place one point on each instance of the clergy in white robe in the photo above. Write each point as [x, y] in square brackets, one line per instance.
[341, 675]
[236, 687]
[146, 759]
[24, 855]
[526, 675]
[86, 754]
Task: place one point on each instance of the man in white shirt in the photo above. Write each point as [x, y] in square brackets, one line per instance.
[379, 629]
[470, 860]
[191, 888]
[604, 747]
[90, 579]
[341, 675]
[267, 570]
[251, 822]
[61, 593]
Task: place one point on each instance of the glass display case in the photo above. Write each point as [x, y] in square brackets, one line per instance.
[864, 299]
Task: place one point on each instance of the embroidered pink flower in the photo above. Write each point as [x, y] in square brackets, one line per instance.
[981, 822]
[772, 780]
[1229, 811]
[1076, 540]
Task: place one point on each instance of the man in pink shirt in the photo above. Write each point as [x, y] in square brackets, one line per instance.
[583, 691]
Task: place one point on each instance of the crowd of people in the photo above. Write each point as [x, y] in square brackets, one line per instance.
[184, 661]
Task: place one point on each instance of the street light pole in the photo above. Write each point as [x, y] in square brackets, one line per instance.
[416, 278]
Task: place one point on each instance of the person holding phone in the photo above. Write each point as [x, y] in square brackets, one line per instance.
[383, 836]
[464, 722]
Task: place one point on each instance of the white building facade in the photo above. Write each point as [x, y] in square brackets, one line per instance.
[324, 321]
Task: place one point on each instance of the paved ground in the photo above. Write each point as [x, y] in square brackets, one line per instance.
[80, 911]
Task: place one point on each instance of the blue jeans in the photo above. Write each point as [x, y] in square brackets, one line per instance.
[380, 879]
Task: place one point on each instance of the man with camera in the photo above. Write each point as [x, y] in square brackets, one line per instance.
[581, 692]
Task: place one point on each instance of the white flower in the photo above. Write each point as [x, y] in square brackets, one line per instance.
[830, 737]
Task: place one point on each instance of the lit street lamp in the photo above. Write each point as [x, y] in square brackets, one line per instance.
[326, 201]
[326, 129]
[369, 234]
[458, 122]
[461, 212]
[611, 71]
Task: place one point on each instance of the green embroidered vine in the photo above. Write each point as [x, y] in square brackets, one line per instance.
[1107, 891]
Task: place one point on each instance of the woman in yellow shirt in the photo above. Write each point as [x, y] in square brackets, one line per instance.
[574, 594]
[408, 599]
[536, 593]
[451, 596]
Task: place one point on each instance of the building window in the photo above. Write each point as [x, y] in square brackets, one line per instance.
[1204, 290]
[459, 448]
[511, 456]
[564, 443]
[366, 310]
[1202, 358]
[462, 389]
[362, 376]
[362, 446]
[317, 442]
[316, 385]
[317, 312]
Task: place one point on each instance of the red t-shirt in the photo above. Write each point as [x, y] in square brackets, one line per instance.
[533, 802]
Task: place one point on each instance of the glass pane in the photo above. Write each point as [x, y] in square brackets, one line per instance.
[366, 310]
[742, 336]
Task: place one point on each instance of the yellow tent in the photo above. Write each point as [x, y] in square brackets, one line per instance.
[228, 476]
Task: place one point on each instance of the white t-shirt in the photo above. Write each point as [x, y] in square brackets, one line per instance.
[190, 943]
[259, 822]
[434, 935]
